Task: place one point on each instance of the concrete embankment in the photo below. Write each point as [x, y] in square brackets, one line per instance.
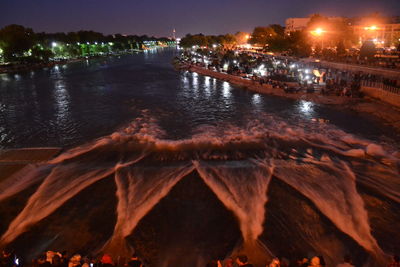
[385, 113]
[268, 89]
[383, 95]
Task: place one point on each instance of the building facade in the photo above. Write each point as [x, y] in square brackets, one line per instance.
[383, 32]
[383, 35]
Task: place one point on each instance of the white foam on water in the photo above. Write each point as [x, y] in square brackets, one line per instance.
[22, 179]
[241, 190]
[332, 188]
[375, 150]
[329, 183]
[139, 189]
[60, 185]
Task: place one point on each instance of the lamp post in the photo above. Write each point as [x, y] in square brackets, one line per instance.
[318, 32]
[53, 48]
[371, 33]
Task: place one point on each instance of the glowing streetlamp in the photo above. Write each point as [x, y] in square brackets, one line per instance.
[371, 33]
[53, 44]
[371, 28]
[318, 32]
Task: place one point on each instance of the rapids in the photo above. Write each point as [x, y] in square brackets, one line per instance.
[238, 166]
[183, 169]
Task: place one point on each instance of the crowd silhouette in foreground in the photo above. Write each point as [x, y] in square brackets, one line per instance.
[57, 259]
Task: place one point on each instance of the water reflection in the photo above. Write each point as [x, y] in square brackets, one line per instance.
[82, 103]
[257, 101]
[306, 108]
[226, 90]
[195, 84]
[207, 86]
[61, 103]
[4, 77]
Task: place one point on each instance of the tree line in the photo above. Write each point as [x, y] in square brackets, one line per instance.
[18, 43]
[334, 40]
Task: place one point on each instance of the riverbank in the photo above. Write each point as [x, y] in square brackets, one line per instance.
[388, 114]
[17, 68]
[33, 66]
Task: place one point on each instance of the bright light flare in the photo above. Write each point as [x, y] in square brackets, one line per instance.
[318, 32]
[371, 28]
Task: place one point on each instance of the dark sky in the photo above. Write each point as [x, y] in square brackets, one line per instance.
[159, 17]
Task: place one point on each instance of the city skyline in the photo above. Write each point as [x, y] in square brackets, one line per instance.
[159, 18]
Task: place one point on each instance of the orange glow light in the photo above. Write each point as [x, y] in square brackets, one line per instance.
[318, 32]
[371, 28]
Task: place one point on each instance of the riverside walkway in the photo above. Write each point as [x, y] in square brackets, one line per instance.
[384, 72]
[388, 114]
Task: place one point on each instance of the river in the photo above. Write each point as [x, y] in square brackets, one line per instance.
[184, 168]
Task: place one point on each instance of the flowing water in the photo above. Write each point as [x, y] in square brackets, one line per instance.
[183, 168]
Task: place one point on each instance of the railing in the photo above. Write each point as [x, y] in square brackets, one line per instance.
[380, 85]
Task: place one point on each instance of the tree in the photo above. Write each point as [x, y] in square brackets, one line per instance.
[16, 40]
[40, 54]
[262, 35]
[318, 50]
[340, 49]
[278, 29]
[318, 21]
[242, 37]
[228, 41]
[299, 45]
[367, 50]
[279, 44]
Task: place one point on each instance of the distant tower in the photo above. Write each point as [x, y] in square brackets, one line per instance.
[173, 34]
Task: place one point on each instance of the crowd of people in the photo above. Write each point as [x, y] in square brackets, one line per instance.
[288, 74]
[57, 259]
[62, 259]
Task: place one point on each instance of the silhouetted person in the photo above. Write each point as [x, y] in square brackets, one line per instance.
[42, 261]
[213, 263]
[75, 261]
[395, 262]
[346, 262]
[134, 261]
[229, 262]
[322, 261]
[106, 261]
[315, 262]
[64, 258]
[242, 260]
[56, 261]
[6, 259]
[275, 263]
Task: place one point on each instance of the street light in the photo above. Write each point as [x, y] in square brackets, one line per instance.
[371, 28]
[53, 44]
[317, 32]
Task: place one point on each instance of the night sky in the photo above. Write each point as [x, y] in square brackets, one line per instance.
[159, 17]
